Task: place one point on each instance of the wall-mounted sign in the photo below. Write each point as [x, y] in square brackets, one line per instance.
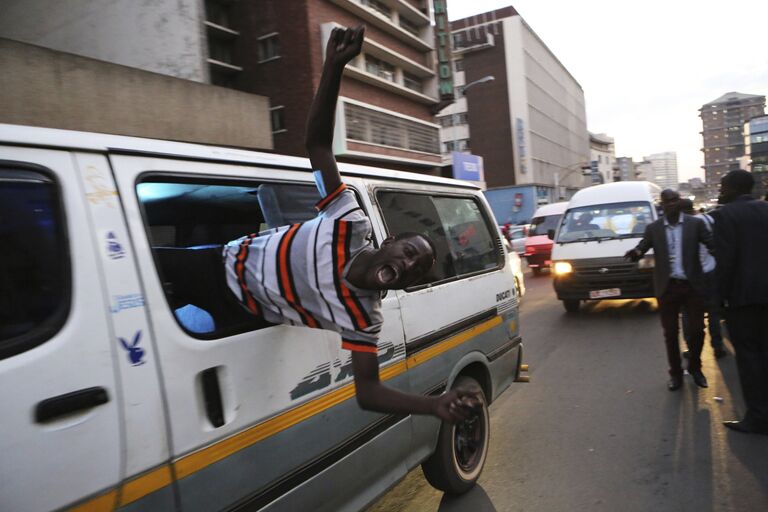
[521, 150]
[443, 40]
[467, 166]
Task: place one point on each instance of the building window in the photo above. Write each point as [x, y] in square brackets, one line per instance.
[379, 7]
[413, 82]
[409, 26]
[458, 37]
[375, 127]
[379, 68]
[276, 115]
[268, 47]
[221, 50]
[459, 65]
[218, 12]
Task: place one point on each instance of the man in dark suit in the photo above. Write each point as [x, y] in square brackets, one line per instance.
[741, 243]
[678, 280]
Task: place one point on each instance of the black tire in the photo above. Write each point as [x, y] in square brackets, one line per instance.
[537, 271]
[461, 449]
[571, 305]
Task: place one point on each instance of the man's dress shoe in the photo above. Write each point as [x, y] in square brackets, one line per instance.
[745, 427]
[674, 383]
[699, 379]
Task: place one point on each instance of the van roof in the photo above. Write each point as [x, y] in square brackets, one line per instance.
[616, 192]
[106, 143]
[551, 209]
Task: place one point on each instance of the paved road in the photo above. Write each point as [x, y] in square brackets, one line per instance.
[597, 430]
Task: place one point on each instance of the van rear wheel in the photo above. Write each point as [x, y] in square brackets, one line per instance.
[571, 305]
[461, 450]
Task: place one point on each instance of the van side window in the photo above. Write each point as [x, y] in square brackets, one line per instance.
[457, 226]
[34, 259]
[189, 220]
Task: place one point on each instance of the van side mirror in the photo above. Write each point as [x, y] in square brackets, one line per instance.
[551, 234]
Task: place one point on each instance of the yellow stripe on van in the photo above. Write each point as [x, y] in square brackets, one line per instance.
[147, 483]
[105, 502]
[223, 449]
[435, 350]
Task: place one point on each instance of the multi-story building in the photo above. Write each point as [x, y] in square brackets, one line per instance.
[602, 157]
[663, 169]
[644, 170]
[756, 151]
[528, 122]
[625, 169]
[723, 131]
[126, 67]
[276, 49]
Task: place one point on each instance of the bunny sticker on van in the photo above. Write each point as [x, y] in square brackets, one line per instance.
[135, 352]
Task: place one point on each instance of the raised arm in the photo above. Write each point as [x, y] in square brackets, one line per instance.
[343, 46]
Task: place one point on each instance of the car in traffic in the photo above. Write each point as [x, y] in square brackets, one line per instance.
[601, 224]
[517, 269]
[516, 236]
[538, 246]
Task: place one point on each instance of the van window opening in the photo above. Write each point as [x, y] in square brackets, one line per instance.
[605, 222]
[188, 221]
[34, 261]
[456, 225]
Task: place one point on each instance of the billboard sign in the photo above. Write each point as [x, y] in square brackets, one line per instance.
[467, 166]
[444, 53]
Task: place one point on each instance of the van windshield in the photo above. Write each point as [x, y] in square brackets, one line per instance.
[605, 222]
[540, 225]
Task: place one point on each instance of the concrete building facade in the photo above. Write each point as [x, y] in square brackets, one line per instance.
[663, 169]
[625, 166]
[276, 49]
[723, 131]
[529, 122]
[602, 158]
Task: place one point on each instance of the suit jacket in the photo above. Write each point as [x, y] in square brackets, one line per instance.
[741, 248]
[694, 233]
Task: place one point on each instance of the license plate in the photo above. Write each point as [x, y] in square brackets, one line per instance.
[601, 294]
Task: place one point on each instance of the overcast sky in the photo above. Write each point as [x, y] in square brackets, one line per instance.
[647, 67]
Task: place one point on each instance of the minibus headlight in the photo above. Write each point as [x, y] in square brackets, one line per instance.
[646, 262]
[562, 268]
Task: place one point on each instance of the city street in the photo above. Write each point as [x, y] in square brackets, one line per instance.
[596, 428]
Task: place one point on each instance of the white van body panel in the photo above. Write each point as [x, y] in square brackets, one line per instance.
[78, 454]
[292, 435]
[551, 209]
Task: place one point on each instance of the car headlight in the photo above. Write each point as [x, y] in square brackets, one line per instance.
[646, 262]
[562, 268]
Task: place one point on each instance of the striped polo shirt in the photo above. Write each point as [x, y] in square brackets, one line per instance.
[297, 274]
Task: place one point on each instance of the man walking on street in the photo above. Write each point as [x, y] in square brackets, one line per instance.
[741, 244]
[713, 308]
[678, 280]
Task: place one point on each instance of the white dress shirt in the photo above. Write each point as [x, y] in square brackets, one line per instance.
[675, 245]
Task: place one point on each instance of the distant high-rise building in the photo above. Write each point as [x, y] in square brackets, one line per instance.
[626, 169]
[664, 169]
[529, 121]
[756, 151]
[644, 171]
[723, 131]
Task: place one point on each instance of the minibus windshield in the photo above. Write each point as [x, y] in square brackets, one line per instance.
[605, 222]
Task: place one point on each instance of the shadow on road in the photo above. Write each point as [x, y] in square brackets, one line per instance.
[475, 500]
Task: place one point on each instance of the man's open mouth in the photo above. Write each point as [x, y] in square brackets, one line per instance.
[387, 274]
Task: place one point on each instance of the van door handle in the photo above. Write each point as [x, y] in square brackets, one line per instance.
[68, 403]
[212, 396]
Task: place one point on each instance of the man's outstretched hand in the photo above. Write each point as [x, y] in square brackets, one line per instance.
[458, 405]
[344, 45]
[632, 255]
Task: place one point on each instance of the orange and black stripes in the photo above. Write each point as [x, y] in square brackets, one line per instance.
[330, 197]
[359, 346]
[355, 310]
[285, 277]
[242, 255]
